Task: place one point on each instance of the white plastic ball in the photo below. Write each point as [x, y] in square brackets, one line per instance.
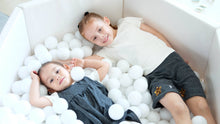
[113, 83]
[68, 37]
[78, 35]
[134, 98]
[63, 53]
[23, 72]
[28, 59]
[77, 73]
[42, 54]
[37, 115]
[172, 121]
[123, 65]
[125, 122]
[136, 110]
[87, 51]
[135, 72]
[51, 42]
[22, 107]
[63, 44]
[125, 80]
[115, 94]
[129, 90]
[116, 112]
[199, 120]
[48, 111]
[144, 121]
[124, 103]
[114, 72]
[53, 53]
[165, 114]
[78, 122]
[68, 117]
[39, 49]
[77, 53]
[34, 65]
[87, 43]
[163, 122]
[16, 87]
[43, 90]
[60, 105]
[75, 43]
[140, 84]
[53, 119]
[146, 98]
[25, 97]
[109, 61]
[26, 84]
[153, 116]
[145, 110]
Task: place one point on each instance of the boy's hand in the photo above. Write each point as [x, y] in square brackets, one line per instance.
[77, 62]
[34, 76]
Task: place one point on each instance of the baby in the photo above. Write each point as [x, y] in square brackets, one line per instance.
[88, 98]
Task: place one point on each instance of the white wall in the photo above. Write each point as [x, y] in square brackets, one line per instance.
[183, 29]
[56, 17]
[14, 48]
[212, 75]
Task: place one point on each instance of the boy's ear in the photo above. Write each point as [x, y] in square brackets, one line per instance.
[106, 20]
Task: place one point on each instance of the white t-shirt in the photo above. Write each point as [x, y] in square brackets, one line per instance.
[136, 46]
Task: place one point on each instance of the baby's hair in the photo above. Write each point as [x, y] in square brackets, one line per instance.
[47, 63]
[49, 91]
[87, 17]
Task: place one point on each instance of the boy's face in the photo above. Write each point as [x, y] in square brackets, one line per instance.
[56, 77]
[99, 32]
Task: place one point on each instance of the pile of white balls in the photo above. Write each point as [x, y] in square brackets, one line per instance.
[125, 83]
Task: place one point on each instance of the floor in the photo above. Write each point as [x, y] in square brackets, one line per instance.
[6, 8]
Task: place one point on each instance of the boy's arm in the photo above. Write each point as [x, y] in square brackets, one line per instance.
[151, 30]
[102, 67]
[34, 94]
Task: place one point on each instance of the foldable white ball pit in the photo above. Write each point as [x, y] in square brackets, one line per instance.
[195, 37]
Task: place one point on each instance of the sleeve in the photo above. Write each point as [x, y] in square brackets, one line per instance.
[131, 20]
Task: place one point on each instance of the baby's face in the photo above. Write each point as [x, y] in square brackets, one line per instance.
[56, 77]
[99, 32]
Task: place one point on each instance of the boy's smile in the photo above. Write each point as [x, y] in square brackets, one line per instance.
[99, 32]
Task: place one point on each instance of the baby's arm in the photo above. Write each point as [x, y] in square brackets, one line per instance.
[151, 30]
[34, 94]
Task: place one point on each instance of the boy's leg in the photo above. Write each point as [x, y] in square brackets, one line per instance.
[199, 106]
[177, 107]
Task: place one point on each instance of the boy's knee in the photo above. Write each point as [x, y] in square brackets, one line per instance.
[180, 108]
[202, 106]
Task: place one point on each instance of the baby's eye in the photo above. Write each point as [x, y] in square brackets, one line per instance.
[57, 71]
[51, 80]
[94, 38]
[100, 29]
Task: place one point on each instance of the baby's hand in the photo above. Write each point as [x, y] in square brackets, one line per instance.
[34, 76]
[77, 62]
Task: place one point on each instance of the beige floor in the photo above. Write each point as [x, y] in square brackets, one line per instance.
[7, 6]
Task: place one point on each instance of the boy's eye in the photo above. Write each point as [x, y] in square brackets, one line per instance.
[100, 29]
[94, 38]
[51, 80]
[57, 71]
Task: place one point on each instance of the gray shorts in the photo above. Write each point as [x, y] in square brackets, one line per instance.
[173, 75]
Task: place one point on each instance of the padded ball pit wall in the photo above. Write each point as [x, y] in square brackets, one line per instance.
[195, 37]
